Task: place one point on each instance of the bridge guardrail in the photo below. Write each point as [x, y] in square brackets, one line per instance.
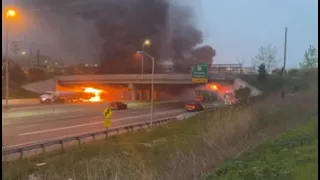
[170, 69]
[43, 145]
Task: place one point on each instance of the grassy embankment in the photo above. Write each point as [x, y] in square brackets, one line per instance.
[292, 156]
[17, 92]
[179, 150]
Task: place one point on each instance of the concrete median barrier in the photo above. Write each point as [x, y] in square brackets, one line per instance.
[21, 101]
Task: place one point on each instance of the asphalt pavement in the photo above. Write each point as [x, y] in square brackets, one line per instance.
[24, 126]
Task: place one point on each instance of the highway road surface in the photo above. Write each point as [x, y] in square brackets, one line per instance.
[21, 102]
[22, 126]
[25, 126]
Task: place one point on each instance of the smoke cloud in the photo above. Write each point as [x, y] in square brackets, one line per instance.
[119, 28]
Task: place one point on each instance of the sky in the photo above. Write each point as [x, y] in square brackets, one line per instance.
[237, 28]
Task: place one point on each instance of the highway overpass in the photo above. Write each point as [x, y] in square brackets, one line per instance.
[139, 79]
[137, 83]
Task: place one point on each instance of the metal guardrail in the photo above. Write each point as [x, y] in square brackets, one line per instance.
[61, 142]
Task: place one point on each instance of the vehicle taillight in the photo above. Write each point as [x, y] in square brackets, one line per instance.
[190, 106]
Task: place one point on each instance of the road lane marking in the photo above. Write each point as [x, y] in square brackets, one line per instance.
[27, 126]
[73, 114]
[90, 115]
[93, 123]
[62, 137]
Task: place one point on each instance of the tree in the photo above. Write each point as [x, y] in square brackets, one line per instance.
[203, 54]
[262, 73]
[267, 55]
[17, 74]
[310, 58]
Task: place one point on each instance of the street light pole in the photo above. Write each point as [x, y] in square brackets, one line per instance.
[7, 60]
[145, 43]
[152, 86]
[142, 61]
[152, 93]
[9, 13]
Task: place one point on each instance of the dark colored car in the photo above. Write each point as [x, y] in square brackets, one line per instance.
[118, 106]
[200, 99]
[193, 107]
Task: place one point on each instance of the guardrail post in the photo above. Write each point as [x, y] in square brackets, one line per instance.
[117, 131]
[79, 140]
[106, 134]
[43, 148]
[61, 143]
[21, 154]
[93, 136]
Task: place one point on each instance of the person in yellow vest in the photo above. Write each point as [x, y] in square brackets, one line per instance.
[107, 114]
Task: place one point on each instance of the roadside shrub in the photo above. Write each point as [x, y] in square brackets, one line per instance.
[300, 86]
[262, 73]
[242, 94]
[293, 72]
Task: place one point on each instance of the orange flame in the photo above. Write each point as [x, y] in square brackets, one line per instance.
[214, 87]
[96, 93]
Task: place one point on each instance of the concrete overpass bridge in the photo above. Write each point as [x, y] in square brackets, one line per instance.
[139, 79]
[138, 85]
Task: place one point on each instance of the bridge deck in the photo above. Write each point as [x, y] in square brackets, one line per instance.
[138, 79]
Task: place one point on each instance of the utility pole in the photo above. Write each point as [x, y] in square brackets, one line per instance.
[38, 58]
[284, 61]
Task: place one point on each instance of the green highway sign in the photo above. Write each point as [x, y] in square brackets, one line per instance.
[200, 73]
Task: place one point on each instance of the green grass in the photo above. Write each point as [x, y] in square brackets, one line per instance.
[293, 156]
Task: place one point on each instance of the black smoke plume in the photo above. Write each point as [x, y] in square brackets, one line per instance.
[123, 25]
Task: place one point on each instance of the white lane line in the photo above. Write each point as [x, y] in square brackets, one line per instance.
[129, 113]
[55, 138]
[27, 126]
[93, 123]
[50, 117]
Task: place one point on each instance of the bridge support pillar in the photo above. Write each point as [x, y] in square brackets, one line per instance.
[155, 95]
[147, 94]
[140, 95]
[133, 92]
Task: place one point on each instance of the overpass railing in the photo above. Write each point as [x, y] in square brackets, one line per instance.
[212, 69]
[78, 138]
[164, 69]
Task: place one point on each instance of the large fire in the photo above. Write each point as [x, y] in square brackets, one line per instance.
[96, 93]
